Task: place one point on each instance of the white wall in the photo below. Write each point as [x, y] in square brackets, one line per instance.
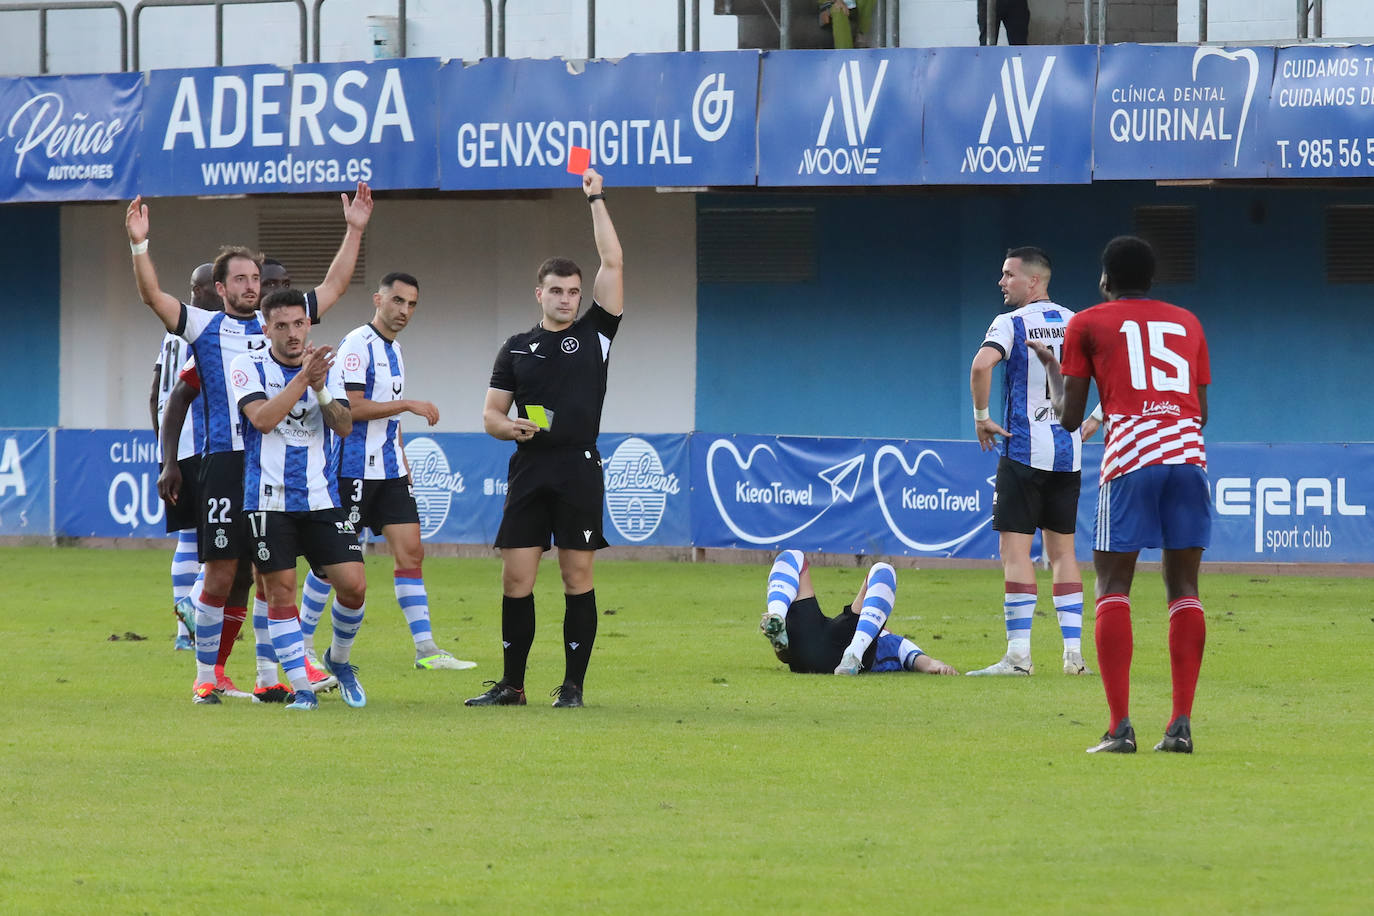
[475, 260]
[88, 41]
[1272, 20]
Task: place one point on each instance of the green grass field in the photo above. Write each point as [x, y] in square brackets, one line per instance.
[702, 776]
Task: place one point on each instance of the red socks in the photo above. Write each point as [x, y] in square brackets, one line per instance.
[1115, 644]
[1187, 636]
[233, 622]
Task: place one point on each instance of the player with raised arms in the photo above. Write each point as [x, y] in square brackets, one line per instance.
[216, 339]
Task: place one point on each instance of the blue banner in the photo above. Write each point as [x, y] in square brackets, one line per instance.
[858, 496]
[460, 487]
[1321, 113]
[1279, 503]
[648, 497]
[261, 129]
[25, 482]
[1009, 115]
[105, 481]
[1181, 112]
[840, 118]
[648, 119]
[69, 137]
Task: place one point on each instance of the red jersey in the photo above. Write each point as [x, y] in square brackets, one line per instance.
[1148, 359]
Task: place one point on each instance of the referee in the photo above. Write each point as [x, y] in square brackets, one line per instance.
[554, 375]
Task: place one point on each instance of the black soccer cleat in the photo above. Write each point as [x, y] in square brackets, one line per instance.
[1121, 741]
[500, 694]
[566, 696]
[1178, 737]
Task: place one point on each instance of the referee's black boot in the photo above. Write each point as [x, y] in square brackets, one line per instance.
[500, 694]
[566, 696]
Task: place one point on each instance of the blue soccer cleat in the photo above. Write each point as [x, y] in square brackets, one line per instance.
[304, 699]
[352, 691]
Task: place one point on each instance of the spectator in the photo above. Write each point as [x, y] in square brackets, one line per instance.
[1014, 14]
[849, 21]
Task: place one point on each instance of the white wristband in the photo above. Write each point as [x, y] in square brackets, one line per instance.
[324, 397]
[139, 248]
[1097, 413]
[980, 413]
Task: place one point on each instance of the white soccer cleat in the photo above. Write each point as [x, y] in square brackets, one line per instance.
[774, 627]
[1074, 664]
[850, 664]
[1009, 666]
[443, 661]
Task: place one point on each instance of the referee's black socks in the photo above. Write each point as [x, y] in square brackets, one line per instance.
[579, 632]
[517, 633]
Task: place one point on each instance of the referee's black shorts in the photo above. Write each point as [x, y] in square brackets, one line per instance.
[556, 493]
[185, 512]
[1028, 498]
[816, 643]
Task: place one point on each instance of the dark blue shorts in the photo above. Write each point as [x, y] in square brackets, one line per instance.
[1162, 505]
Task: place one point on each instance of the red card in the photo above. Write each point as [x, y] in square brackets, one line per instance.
[579, 158]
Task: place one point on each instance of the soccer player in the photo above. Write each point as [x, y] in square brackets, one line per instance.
[1038, 471]
[181, 510]
[291, 496]
[1150, 362]
[555, 376]
[809, 642]
[268, 689]
[215, 341]
[275, 276]
[374, 479]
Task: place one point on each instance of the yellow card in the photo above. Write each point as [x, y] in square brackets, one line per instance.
[538, 416]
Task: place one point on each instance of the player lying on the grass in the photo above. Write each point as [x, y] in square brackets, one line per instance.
[811, 643]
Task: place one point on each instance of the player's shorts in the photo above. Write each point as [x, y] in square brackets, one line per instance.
[185, 512]
[558, 493]
[816, 643]
[1160, 505]
[1028, 498]
[220, 525]
[377, 503]
[325, 537]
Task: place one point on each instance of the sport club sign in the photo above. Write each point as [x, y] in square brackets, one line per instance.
[316, 127]
[668, 120]
[840, 118]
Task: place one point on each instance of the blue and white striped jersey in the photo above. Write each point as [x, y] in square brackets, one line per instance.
[216, 339]
[288, 469]
[171, 359]
[373, 365]
[1036, 439]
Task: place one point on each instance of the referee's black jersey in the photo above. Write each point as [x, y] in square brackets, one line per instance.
[563, 372]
